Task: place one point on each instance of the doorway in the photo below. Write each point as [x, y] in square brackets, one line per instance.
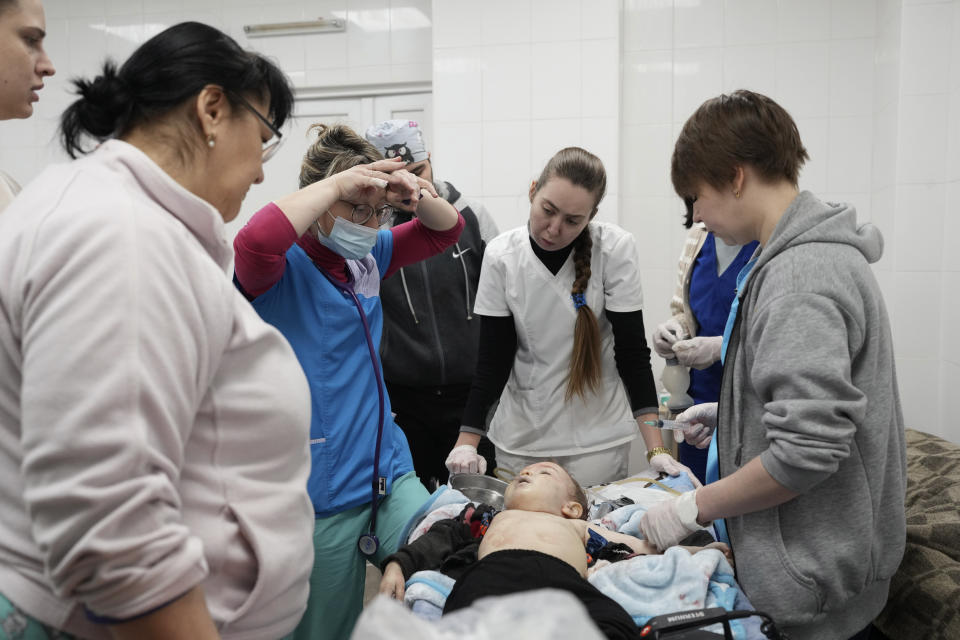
[358, 111]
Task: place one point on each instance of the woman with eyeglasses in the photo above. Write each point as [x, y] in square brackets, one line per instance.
[153, 429]
[311, 263]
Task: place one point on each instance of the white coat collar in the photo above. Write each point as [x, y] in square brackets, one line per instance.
[195, 213]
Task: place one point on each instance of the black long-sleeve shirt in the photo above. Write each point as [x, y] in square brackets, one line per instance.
[498, 348]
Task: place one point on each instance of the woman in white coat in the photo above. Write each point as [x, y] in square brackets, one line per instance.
[562, 341]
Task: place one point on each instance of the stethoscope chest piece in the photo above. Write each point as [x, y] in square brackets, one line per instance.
[368, 544]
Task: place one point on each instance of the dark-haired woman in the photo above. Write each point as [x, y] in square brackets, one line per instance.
[562, 330]
[153, 429]
[706, 284]
[810, 443]
[312, 263]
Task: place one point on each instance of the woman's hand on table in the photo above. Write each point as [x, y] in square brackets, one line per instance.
[666, 463]
[669, 521]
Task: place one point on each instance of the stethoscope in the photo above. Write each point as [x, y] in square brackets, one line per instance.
[368, 542]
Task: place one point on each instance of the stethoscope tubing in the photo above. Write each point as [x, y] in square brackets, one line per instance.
[374, 502]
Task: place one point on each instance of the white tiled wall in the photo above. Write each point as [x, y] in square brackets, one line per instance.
[950, 261]
[874, 86]
[816, 58]
[385, 41]
[516, 80]
[923, 270]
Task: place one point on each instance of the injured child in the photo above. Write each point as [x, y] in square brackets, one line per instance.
[540, 540]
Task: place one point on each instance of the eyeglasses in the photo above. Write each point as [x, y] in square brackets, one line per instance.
[270, 146]
[363, 212]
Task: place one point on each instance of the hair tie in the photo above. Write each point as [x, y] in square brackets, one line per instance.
[578, 300]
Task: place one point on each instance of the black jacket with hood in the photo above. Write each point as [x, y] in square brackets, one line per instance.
[430, 333]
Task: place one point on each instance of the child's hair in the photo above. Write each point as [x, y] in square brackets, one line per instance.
[582, 169]
[337, 148]
[577, 493]
[742, 128]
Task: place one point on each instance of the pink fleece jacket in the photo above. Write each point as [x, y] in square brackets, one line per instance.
[153, 429]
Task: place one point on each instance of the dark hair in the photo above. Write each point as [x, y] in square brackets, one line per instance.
[583, 169]
[742, 128]
[337, 148]
[161, 75]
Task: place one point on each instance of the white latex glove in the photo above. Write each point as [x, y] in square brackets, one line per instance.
[665, 463]
[668, 522]
[703, 422]
[699, 352]
[665, 335]
[465, 459]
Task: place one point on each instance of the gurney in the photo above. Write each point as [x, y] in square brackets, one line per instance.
[648, 587]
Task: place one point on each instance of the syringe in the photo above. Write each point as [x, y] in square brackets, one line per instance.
[668, 424]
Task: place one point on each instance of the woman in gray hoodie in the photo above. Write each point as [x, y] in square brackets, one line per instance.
[809, 457]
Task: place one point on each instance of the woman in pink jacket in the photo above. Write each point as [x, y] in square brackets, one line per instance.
[153, 429]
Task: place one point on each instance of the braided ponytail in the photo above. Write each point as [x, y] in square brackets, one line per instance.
[585, 364]
[582, 169]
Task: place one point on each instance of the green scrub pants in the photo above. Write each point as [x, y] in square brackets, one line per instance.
[339, 569]
[17, 625]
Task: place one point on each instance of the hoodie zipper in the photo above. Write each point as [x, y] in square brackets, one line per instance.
[727, 365]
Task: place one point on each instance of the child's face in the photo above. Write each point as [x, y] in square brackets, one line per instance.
[543, 486]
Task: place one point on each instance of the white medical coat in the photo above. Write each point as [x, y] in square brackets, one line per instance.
[533, 417]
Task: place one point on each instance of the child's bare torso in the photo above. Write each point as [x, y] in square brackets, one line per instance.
[555, 536]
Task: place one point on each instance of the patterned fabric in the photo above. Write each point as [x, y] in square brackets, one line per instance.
[924, 599]
[398, 139]
[680, 303]
[17, 625]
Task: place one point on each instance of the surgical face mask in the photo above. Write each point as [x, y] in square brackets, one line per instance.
[348, 239]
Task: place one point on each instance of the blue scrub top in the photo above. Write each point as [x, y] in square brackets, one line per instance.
[710, 298]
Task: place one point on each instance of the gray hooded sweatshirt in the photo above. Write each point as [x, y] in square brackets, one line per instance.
[809, 386]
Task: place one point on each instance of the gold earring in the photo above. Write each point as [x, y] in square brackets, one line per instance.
[210, 141]
[736, 193]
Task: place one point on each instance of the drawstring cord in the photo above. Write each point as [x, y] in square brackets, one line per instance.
[466, 284]
[406, 292]
[466, 280]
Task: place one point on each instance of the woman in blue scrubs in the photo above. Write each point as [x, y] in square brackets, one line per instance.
[706, 285]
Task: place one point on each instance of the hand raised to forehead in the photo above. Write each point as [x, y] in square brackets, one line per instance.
[374, 183]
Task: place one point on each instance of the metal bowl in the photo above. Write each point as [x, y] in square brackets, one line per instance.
[480, 488]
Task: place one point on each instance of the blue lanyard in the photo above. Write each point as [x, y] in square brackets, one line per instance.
[713, 462]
